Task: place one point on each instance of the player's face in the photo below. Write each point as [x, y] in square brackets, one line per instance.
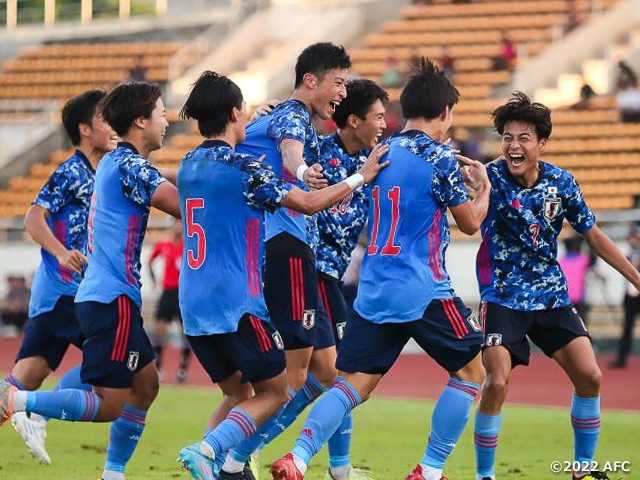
[242, 115]
[156, 126]
[101, 135]
[521, 149]
[369, 130]
[329, 92]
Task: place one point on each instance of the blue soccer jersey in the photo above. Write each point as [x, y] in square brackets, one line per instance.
[67, 196]
[517, 263]
[223, 196]
[289, 120]
[340, 225]
[403, 268]
[125, 183]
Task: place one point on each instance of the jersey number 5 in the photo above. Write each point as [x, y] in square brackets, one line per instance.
[389, 247]
[195, 259]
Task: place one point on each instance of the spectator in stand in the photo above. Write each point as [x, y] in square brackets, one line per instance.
[15, 307]
[628, 102]
[138, 73]
[586, 94]
[627, 77]
[506, 60]
[448, 64]
[631, 306]
[576, 265]
[392, 76]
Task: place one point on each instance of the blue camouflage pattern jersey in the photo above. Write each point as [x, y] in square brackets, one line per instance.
[288, 121]
[125, 182]
[517, 263]
[223, 196]
[66, 196]
[340, 225]
[404, 266]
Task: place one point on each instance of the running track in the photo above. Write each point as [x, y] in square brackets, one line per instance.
[417, 376]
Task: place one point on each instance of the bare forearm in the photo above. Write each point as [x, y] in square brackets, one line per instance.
[608, 251]
[35, 223]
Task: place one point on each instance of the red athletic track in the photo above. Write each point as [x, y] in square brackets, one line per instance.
[417, 376]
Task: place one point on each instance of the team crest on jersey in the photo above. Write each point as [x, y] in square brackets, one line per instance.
[551, 208]
[473, 321]
[493, 340]
[309, 319]
[340, 329]
[132, 362]
[277, 339]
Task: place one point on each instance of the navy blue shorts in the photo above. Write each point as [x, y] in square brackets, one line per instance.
[49, 335]
[448, 331]
[332, 312]
[291, 295]
[168, 306]
[549, 330]
[255, 349]
[116, 345]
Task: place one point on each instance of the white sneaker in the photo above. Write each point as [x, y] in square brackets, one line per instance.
[33, 430]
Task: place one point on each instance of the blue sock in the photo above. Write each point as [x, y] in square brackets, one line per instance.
[340, 443]
[485, 438]
[71, 405]
[124, 437]
[72, 379]
[448, 421]
[325, 418]
[245, 448]
[238, 426]
[585, 419]
[14, 381]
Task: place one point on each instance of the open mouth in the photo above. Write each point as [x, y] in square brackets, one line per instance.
[516, 159]
[333, 104]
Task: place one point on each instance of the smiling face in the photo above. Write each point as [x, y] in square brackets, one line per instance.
[101, 135]
[369, 130]
[328, 91]
[521, 148]
[155, 127]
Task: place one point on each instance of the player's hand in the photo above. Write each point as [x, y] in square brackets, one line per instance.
[474, 173]
[314, 178]
[265, 108]
[372, 165]
[73, 260]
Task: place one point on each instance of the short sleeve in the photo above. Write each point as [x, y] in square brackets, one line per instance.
[448, 186]
[578, 214]
[60, 189]
[288, 126]
[263, 190]
[139, 180]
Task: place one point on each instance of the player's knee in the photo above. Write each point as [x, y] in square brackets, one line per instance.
[496, 386]
[236, 396]
[589, 384]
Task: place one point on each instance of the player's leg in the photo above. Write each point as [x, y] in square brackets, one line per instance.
[631, 310]
[163, 319]
[367, 351]
[450, 333]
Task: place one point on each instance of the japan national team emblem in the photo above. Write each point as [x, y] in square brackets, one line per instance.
[309, 319]
[340, 329]
[551, 208]
[132, 363]
[277, 339]
[493, 340]
[473, 321]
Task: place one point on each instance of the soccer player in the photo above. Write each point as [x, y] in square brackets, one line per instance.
[117, 354]
[522, 288]
[57, 220]
[405, 291]
[168, 308]
[360, 123]
[225, 315]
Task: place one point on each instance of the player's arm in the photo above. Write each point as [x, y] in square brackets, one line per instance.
[171, 174]
[292, 152]
[165, 198]
[608, 251]
[312, 202]
[469, 215]
[35, 222]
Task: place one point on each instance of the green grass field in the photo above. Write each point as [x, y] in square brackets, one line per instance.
[389, 440]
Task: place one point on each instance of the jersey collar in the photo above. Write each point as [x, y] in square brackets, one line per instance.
[214, 143]
[128, 146]
[512, 179]
[85, 160]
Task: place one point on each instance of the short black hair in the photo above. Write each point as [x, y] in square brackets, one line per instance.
[319, 58]
[361, 95]
[211, 101]
[80, 109]
[428, 92]
[128, 101]
[520, 108]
